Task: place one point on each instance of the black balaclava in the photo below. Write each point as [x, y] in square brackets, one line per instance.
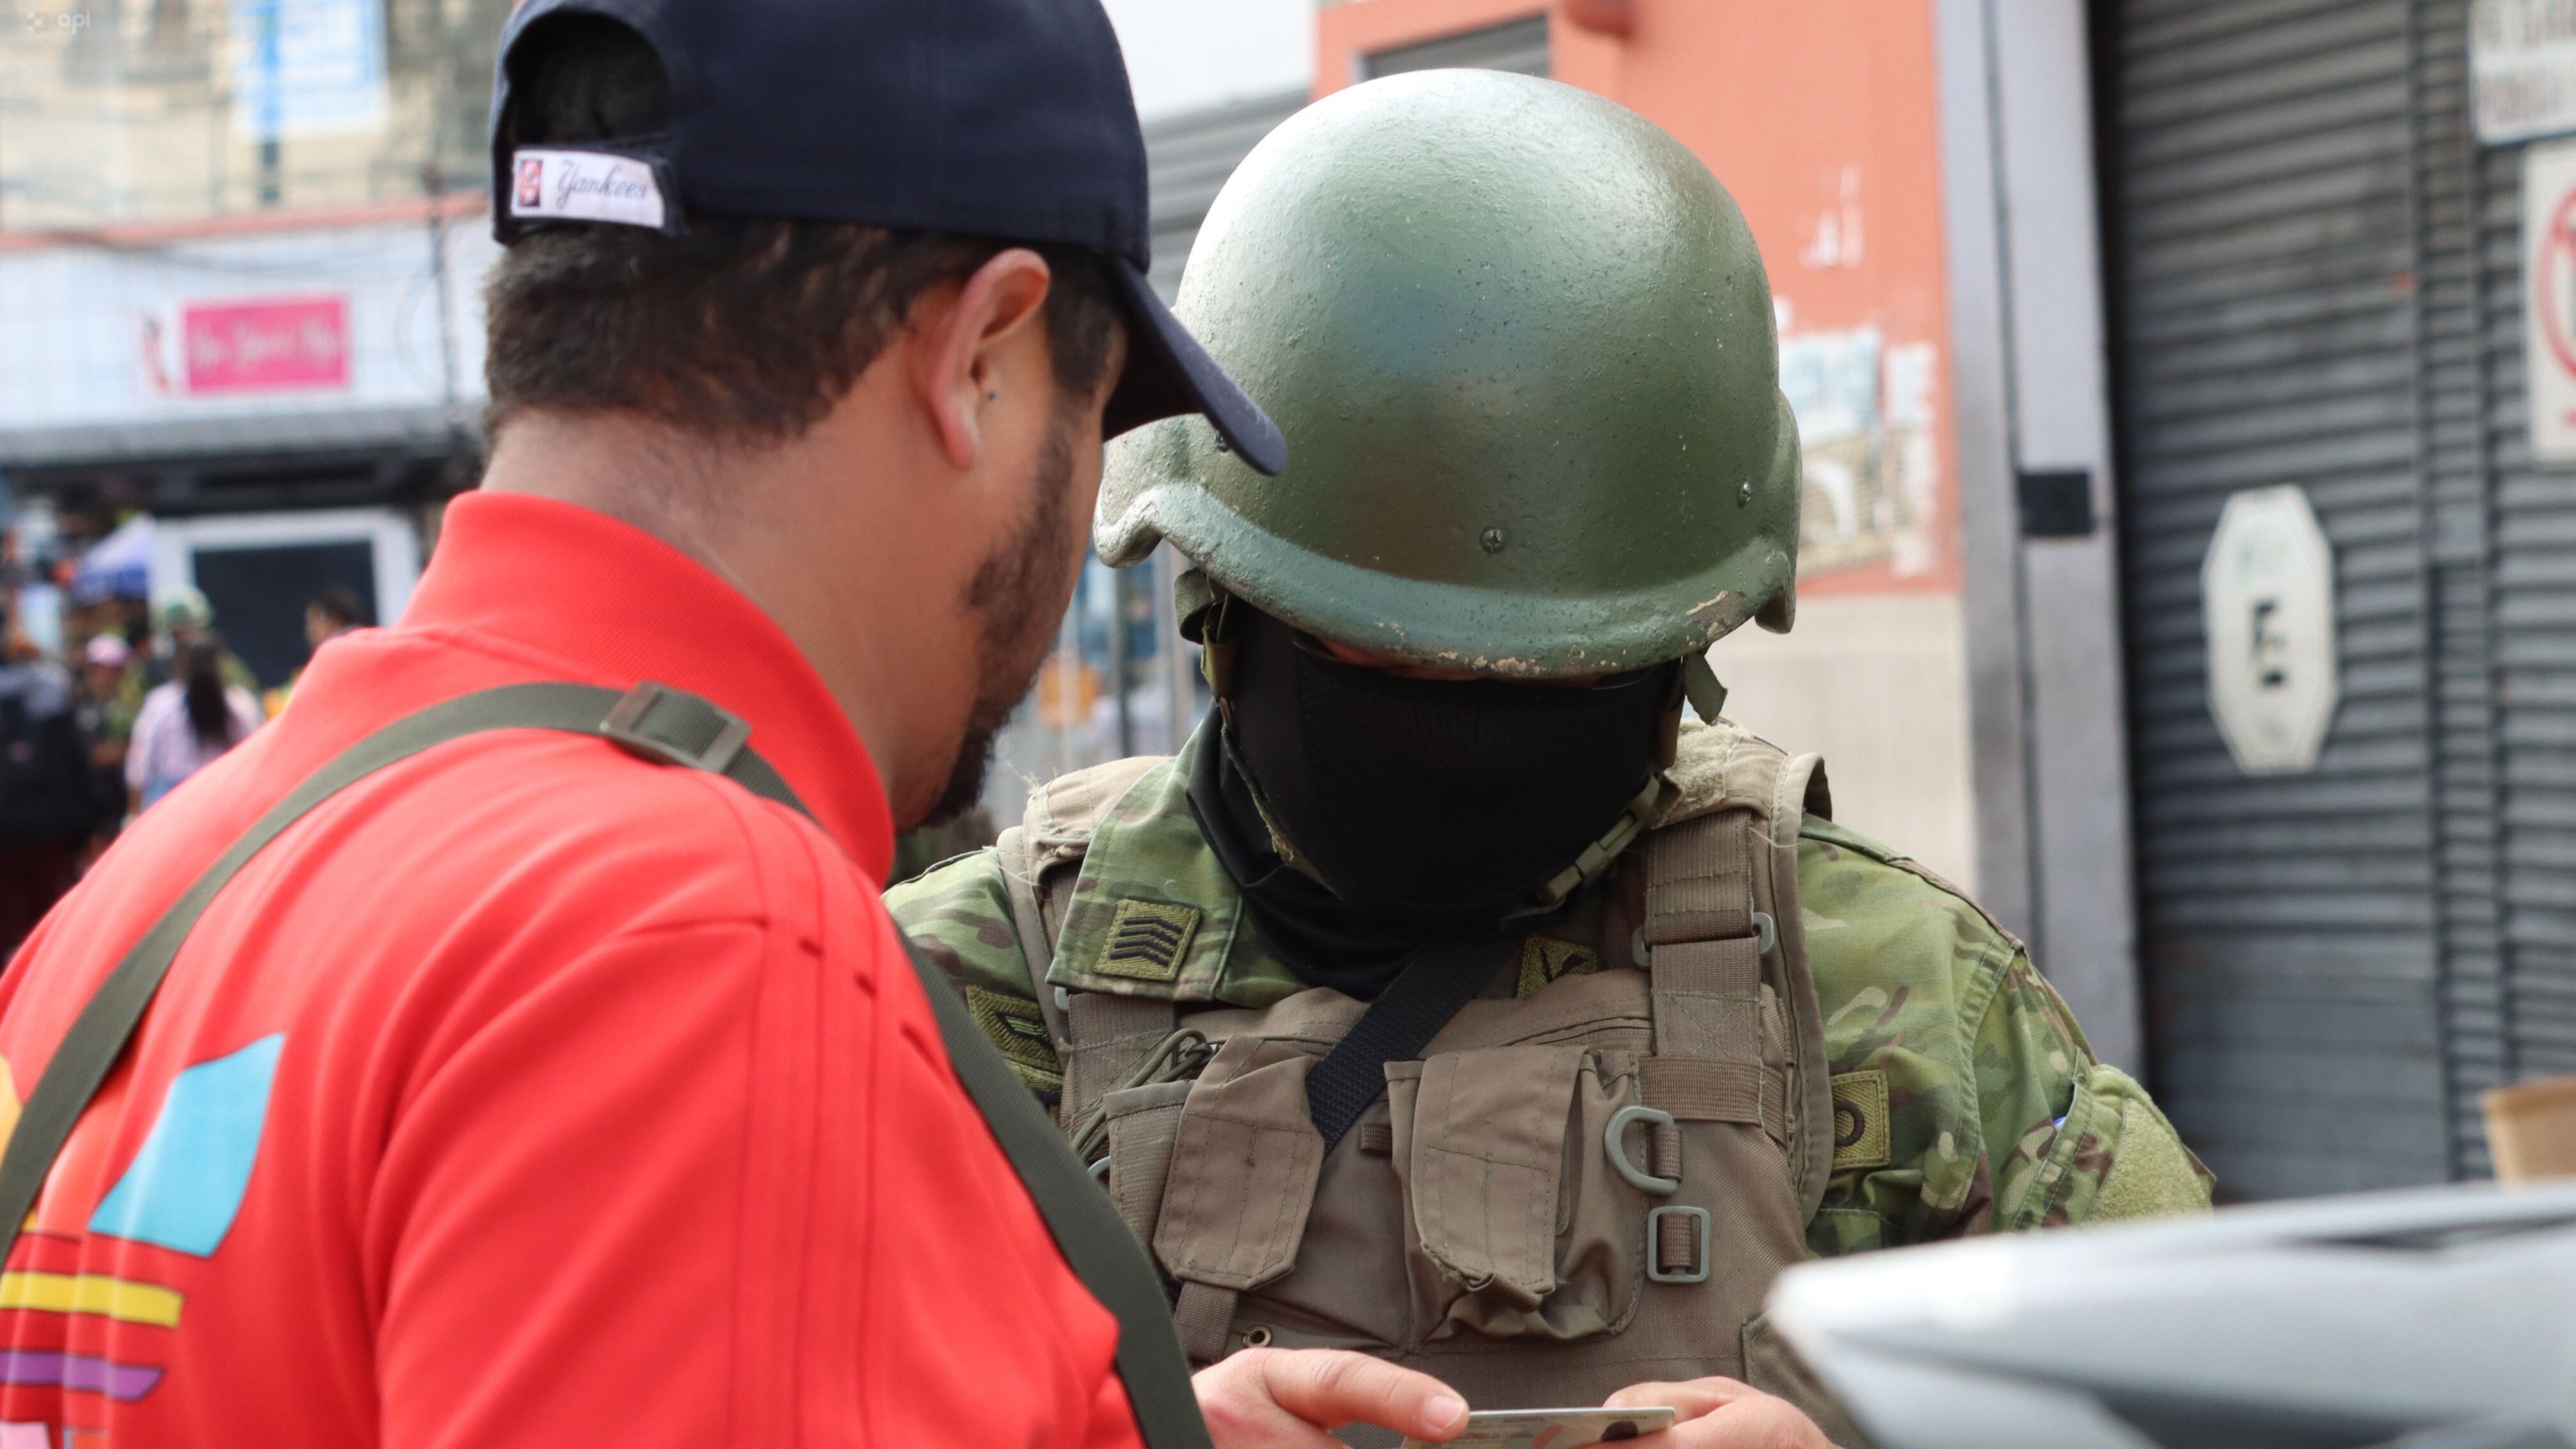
[1324, 939]
[1426, 806]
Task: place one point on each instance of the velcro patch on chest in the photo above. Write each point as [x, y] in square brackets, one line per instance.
[1860, 1120]
[1147, 940]
[1545, 960]
[1018, 1031]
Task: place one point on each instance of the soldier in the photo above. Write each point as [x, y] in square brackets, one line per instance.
[1449, 995]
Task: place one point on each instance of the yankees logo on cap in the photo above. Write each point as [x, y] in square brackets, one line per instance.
[578, 184]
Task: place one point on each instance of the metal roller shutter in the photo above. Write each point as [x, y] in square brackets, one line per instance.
[2527, 520]
[1188, 157]
[1519, 46]
[1187, 160]
[2260, 160]
[2454, 282]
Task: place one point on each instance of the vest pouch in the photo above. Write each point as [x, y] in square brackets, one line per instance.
[1516, 1227]
[1144, 1122]
[1243, 1165]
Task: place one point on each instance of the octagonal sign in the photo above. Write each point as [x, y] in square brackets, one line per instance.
[2267, 607]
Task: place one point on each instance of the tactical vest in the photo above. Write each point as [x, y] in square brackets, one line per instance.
[1566, 1194]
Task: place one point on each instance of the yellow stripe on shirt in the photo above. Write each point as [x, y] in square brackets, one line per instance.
[90, 1293]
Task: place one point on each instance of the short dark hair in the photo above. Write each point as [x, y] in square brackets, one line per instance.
[339, 604]
[742, 327]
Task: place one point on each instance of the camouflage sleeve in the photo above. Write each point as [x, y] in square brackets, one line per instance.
[959, 914]
[2073, 1140]
[2053, 1137]
[1966, 1098]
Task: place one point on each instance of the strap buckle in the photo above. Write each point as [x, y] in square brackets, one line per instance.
[676, 728]
[1699, 1244]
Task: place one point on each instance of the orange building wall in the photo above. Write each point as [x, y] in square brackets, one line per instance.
[1821, 118]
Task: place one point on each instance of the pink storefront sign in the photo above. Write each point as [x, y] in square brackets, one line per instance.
[264, 346]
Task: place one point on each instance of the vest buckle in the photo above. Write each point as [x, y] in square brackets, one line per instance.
[1655, 1269]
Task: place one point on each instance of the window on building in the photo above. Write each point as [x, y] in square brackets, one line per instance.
[157, 110]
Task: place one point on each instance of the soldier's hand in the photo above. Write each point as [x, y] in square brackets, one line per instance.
[1722, 1414]
[1287, 1398]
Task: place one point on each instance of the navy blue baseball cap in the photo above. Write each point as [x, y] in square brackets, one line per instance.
[1008, 119]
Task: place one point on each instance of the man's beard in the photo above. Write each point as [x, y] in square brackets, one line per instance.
[1017, 595]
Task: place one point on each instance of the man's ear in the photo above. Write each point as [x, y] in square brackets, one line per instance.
[970, 349]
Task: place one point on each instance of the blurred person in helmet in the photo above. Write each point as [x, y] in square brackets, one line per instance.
[179, 618]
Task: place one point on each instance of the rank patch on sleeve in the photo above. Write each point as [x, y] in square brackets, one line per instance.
[1860, 1120]
[1147, 939]
[1544, 960]
[1018, 1030]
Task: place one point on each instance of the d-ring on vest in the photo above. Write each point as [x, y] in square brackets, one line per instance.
[667, 727]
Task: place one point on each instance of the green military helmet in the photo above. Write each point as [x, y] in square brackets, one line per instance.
[1521, 345]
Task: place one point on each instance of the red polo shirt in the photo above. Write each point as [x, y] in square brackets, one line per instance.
[526, 1093]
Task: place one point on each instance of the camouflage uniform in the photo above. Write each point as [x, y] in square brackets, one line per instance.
[1521, 345]
[1996, 1115]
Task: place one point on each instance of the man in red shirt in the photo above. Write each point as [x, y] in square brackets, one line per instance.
[526, 1093]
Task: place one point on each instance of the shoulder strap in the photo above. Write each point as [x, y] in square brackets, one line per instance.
[1108, 1039]
[1028, 922]
[1100, 1040]
[1424, 997]
[669, 727]
[1711, 944]
[1705, 940]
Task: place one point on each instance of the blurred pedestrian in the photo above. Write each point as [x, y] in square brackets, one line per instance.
[47, 799]
[333, 612]
[180, 618]
[110, 698]
[187, 723]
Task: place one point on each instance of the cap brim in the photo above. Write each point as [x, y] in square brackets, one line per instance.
[1169, 374]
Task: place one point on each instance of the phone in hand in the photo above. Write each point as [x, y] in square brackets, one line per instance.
[1552, 1428]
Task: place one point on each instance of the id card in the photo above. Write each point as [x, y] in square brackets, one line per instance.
[1552, 1428]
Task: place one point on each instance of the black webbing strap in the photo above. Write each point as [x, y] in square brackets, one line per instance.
[1441, 978]
[667, 726]
[1095, 1239]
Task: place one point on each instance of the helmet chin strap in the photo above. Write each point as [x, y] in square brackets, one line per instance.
[1216, 650]
[1600, 855]
[1643, 810]
[1699, 685]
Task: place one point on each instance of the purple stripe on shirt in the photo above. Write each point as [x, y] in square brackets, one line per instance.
[80, 1372]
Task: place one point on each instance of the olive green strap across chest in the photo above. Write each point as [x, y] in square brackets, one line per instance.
[667, 727]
